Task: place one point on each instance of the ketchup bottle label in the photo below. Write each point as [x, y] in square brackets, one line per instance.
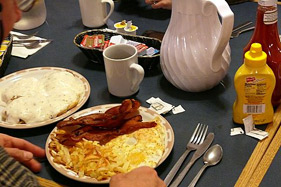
[270, 17]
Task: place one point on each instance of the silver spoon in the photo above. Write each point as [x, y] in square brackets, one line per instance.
[31, 45]
[212, 156]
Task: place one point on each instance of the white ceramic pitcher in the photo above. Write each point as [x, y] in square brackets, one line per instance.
[195, 51]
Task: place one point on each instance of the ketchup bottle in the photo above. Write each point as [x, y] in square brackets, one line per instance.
[266, 33]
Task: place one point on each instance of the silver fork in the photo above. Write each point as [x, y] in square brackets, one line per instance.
[196, 139]
[237, 33]
[25, 36]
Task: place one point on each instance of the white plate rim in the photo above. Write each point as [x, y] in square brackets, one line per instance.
[26, 73]
[100, 108]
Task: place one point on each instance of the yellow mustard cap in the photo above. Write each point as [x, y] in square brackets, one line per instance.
[255, 57]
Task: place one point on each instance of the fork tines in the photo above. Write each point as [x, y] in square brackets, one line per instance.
[199, 134]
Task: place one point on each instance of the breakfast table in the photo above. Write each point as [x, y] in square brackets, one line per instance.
[212, 107]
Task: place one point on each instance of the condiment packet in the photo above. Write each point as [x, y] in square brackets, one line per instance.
[251, 130]
[133, 43]
[236, 131]
[151, 51]
[257, 133]
[98, 40]
[85, 41]
[94, 41]
[178, 109]
[106, 44]
[159, 106]
[141, 49]
[249, 123]
[118, 39]
[162, 107]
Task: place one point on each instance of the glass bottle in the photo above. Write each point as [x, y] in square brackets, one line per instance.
[266, 33]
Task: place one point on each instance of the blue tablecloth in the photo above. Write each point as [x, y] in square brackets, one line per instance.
[213, 107]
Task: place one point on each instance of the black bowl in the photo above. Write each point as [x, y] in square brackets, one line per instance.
[95, 55]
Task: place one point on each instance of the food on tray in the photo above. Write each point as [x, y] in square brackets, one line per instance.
[121, 24]
[31, 100]
[98, 42]
[104, 144]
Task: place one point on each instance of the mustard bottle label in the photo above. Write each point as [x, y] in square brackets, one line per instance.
[255, 93]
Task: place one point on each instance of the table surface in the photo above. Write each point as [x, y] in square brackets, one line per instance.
[212, 107]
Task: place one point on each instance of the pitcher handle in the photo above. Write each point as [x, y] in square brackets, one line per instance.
[111, 3]
[227, 19]
[137, 76]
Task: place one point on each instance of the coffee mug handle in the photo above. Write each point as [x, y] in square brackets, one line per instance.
[111, 3]
[137, 76]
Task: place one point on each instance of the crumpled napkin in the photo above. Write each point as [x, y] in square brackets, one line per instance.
[23, 52]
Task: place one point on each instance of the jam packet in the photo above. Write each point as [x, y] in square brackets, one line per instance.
[107, 44]
[93, 41]
[141, 49]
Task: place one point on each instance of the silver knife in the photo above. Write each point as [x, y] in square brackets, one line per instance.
[198, 153]
[29, 41]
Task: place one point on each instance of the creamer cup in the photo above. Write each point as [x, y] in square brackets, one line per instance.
[132, 30]
[120, 26]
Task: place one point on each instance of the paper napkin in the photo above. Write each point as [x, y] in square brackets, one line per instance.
[23, 52]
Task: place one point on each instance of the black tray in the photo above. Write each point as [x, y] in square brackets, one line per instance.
[95, 55]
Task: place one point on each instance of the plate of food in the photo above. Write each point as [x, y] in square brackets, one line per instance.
[40, 96]
[97, 143]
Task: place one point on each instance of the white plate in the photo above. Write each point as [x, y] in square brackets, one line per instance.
[147, 115]
[38, 73]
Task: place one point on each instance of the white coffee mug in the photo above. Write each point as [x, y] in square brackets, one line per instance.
[94, 12]
[123, 73]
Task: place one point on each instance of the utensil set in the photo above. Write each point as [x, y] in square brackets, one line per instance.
[29, 44]
[200, 144]
[25, 41]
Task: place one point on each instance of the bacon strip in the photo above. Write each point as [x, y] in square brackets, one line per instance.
[111, 119]
[104, 127]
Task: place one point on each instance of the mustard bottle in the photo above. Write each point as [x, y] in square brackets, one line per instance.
[254, 82]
